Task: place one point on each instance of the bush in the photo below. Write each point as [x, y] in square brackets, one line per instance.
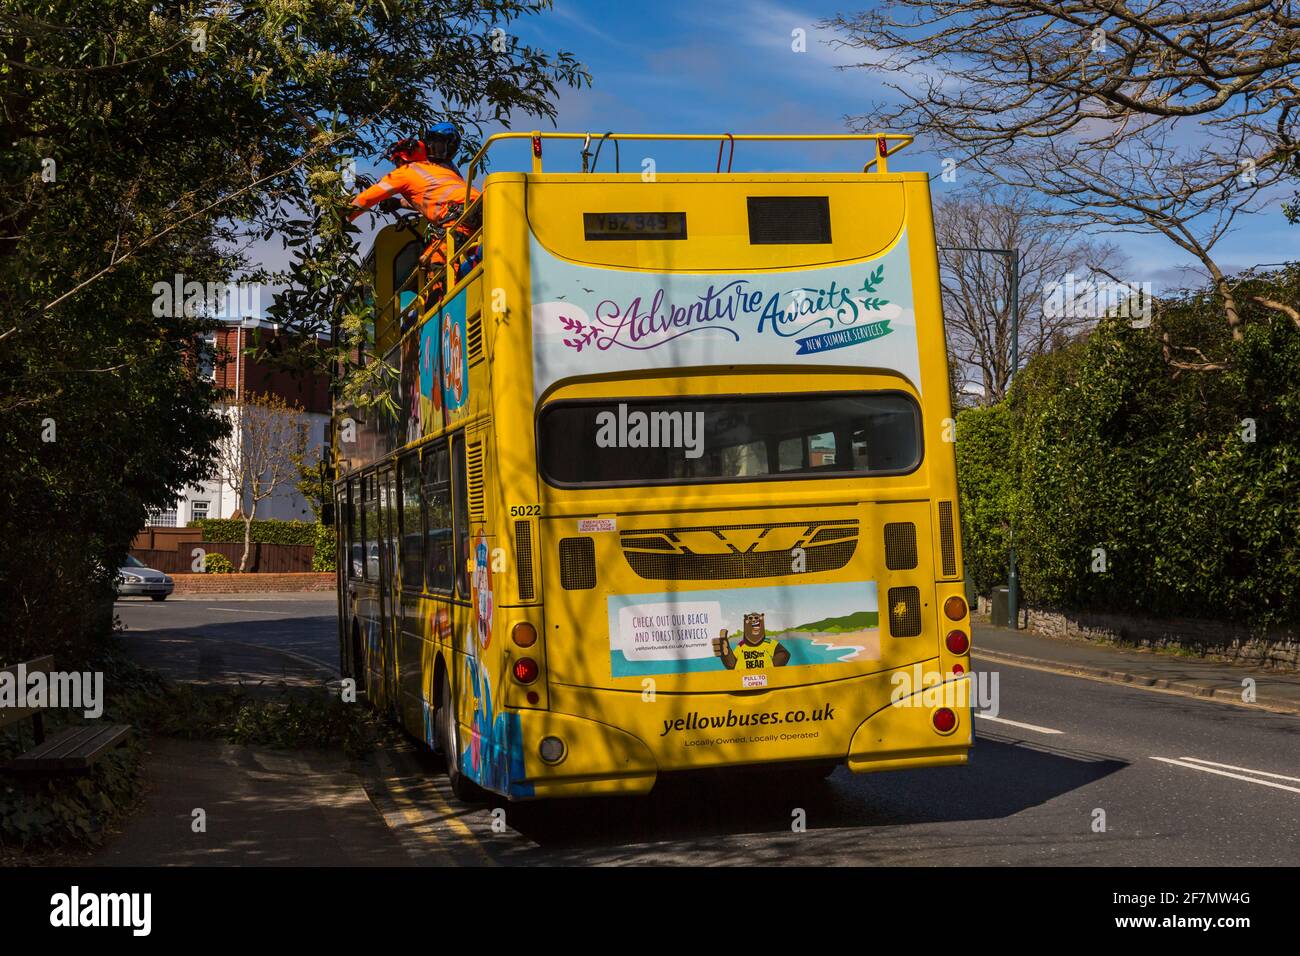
[217, 563]
[985, 484]
[70, 809]
[79, 810]
[1108, 453]
[231, 531]
[326, 555]
[305, 717]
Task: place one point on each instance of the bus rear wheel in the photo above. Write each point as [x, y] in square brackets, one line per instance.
[449, 740]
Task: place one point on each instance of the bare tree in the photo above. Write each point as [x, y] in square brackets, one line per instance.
[1143, 116]
[977, 286]
[259, 455]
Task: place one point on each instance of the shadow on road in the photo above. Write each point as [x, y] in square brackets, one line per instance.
[708, 810]
[284, 648]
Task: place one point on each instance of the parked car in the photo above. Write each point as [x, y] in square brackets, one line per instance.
[133, 578]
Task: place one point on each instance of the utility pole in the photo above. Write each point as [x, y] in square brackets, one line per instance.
[1013, 261]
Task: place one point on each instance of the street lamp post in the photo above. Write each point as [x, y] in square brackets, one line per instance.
[1013, 259]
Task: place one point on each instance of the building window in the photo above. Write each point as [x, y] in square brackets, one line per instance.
[207, 356]
[166, 518]
[198, 511]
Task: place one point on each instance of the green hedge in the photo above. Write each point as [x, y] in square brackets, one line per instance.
[264, 532]
[326, 556]
[983, 453]
[318, 536]
[1104, 445]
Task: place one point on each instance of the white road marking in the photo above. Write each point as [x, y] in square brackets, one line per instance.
[1015, 723]
[1234, 776]
[245, 610]
[1258, 773]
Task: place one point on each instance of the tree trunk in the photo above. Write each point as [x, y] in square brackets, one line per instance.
[248, 538]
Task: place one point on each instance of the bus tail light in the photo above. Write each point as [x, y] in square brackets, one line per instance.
[523, 634]
[945, 720]
[525, 670]
[957, 642]
[955, 607]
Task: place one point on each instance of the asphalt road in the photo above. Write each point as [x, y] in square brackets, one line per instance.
[301, 624]
[1180, 781]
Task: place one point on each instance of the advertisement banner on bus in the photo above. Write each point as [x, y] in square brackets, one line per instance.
[589, 320]
[750, 631]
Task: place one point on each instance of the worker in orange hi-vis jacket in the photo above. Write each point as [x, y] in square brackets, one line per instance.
[425, 179]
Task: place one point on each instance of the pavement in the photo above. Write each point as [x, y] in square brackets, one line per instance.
[1087, 755]
[259, 807]
[1194, 676]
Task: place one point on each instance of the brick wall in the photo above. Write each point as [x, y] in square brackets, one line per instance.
[253, 583]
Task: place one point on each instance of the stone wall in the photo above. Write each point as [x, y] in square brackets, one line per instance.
[1277, 647]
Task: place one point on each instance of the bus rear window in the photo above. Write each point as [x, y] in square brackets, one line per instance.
[729, 438]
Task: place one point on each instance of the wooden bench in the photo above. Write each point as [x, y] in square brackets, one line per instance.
[71, 750]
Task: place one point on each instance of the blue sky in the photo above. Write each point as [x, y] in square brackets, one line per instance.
[686, 66]
[694, 67]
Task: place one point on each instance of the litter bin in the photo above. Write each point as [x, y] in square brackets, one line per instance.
[999, 614]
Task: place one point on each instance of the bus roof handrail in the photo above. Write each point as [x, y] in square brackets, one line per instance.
[882, 142]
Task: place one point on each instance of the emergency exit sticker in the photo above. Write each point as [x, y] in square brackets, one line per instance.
[593, 525]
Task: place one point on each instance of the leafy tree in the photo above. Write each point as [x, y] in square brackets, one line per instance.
[142, 141]
[1186, 486]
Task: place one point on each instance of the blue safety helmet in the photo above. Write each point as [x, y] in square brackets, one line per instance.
[443, 142]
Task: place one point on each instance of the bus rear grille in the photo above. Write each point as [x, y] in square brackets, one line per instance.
[789, 219]
[740, 551]
[524, 559]
[947, 539]
[900, 546]
[905, 611]
[577, 564]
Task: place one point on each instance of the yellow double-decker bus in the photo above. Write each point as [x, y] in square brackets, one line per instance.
[672, 485]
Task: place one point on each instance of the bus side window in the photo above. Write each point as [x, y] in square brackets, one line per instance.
[370, 526]
[411, 540]
[462, 516]
[350, 522]
[438, 530]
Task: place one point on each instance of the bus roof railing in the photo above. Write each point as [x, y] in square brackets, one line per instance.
[882, 141]
[457, 251]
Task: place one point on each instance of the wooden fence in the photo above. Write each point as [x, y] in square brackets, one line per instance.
[263, 558]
